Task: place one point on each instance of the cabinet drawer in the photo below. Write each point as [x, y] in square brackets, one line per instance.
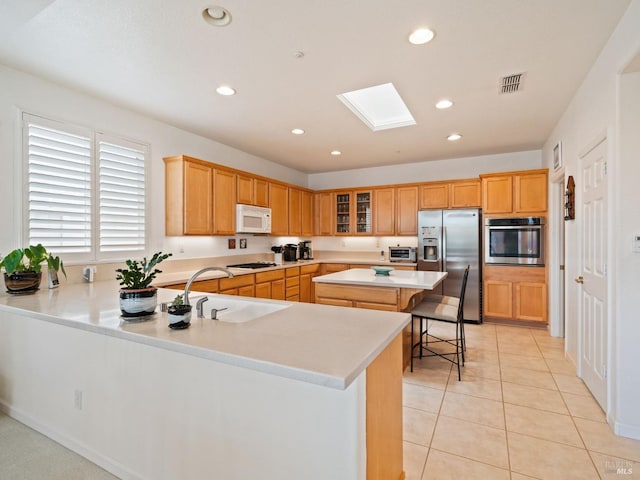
[334, 267]
[292, 271]
[358, 293]
[309, 268]
[376, 306]
[235, 282]
[293, 292]
[292, 281]
[269, 276]
[334, 301]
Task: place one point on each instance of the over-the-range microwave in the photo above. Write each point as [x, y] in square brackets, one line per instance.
[252, 219]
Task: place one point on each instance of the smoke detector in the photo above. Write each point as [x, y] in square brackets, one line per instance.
[511, 83]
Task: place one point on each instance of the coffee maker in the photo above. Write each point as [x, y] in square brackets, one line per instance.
[304, 250]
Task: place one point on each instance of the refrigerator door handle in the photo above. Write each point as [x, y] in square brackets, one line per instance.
[444, 248]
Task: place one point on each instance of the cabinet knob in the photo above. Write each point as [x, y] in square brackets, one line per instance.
[580, 279]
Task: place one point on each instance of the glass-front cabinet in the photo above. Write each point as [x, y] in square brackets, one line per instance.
[353, 213]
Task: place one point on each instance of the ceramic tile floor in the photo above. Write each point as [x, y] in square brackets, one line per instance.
[519, 413]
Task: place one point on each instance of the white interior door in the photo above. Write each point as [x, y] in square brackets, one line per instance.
[592, 293]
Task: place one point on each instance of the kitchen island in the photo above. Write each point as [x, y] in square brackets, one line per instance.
[309, 391]
[399, 291]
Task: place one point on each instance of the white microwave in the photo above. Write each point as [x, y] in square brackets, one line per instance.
[252, 219]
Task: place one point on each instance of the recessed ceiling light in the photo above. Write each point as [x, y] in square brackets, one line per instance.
[336, 152]
[225, 90]
[297, 131]
[454, 136]
[421, 36]
[217, 16]
[444, 103]
[379, 107]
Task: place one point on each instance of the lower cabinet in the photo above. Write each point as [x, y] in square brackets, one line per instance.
[270, 285]
[518, 293]
[292, 284]
[242, 285]
[208, 286]
[307, 287]
[373, 298]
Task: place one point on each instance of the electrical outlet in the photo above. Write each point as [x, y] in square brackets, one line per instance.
[77, 399]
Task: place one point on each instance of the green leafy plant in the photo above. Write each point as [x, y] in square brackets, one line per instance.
[178, 307]
[140, 274]
[179, 300]
[30, 259]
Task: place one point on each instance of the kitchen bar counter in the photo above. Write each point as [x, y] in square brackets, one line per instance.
[396, 278]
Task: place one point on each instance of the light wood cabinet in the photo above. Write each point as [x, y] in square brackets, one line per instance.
[243, 285]
[307, 213]
[252, 191]
[465, 194]
[406, 214]
[224, 205]
[279, 203]
[353, 212]
[384, 211]
[515, 193]
[292, 284]
[208, 286]
[188, 196]
[307, 286]
[434, 195]
[270, 285]
[295, 211]
[323, 214]
[517, 293]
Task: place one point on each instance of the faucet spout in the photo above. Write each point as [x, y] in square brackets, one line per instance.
[197, 274]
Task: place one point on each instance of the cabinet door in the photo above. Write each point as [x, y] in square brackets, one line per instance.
[263, 290]
[323, 214]
[498, 298]
[497, 194]
[434, 195]
[465, 194]
[305, 288]
[277, 289]
[384, 211]
[244, 190]
[343, 213]
[198, 199]
[531, 301]
[530, 193]
[260, 192]
[307, 214]
[279, 203]
[295, 212]
[407, 211]
[224, 205]
[363, 212]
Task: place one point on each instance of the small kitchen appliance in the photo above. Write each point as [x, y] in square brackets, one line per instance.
[304, 250]
[290, 252]
[402, 254]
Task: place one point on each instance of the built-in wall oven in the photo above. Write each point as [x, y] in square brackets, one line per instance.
[519, 241]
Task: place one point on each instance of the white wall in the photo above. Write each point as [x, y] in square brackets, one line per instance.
[594, 111]
[20, 91]
[466, 167]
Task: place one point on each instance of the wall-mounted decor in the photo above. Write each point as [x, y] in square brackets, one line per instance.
[569, 199]
[557, 156]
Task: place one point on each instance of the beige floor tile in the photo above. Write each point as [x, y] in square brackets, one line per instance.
[471, 440]
[475, 386]
[519, 476]
[479, 354]
[414, 457]
[561, 366]
[539, 398]
[525, 350]
[473, 409]
[532, 378]
[571, 384]
[599, 438]
[545, 425]
[554, 353]
[421, 397]
[614, 468]
[444, 466]
[528, 363]
[429, 378]
[584, 407]
[418, 426]
[481, 369]
[549, 460]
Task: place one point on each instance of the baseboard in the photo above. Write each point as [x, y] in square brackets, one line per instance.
[628, 431]
[515, 323]
[106, 463]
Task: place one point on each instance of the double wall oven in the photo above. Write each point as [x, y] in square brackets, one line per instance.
[512, 240]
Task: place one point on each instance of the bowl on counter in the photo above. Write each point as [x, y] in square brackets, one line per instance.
[382, 270]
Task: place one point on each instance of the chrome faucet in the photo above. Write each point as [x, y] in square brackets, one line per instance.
[197, 274]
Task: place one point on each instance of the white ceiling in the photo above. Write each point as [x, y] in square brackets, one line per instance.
[160, 58]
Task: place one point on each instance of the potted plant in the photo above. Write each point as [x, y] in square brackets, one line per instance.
[138, 297]
[179, 314]
[23, 268]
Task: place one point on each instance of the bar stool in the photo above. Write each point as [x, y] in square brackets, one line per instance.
[441, 308]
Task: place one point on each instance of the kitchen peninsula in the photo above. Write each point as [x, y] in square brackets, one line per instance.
[399, 291]
[297, 393]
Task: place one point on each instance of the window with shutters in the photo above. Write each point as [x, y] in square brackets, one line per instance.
[85, 195]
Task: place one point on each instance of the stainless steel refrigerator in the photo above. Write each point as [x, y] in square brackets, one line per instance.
[448, 241]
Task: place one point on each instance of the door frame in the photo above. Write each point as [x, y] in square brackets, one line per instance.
[557, 278]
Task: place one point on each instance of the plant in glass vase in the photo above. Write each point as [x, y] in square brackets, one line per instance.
[138, 298]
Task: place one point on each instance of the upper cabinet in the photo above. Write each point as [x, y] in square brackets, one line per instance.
[515, 192]
[199, 199]
[453, 194]
[279, 203]
[307, 213]
[406, 214]
[295, 211]
[323, 213]
[384, 211]
[252, 190]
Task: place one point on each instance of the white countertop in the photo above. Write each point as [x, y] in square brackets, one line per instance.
[396, 278]
[318, 344]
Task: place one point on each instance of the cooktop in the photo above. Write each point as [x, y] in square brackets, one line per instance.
[252, 265]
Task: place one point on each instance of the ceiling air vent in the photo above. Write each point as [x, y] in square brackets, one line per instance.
[512, 83]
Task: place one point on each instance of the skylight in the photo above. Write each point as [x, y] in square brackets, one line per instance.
[379, 107]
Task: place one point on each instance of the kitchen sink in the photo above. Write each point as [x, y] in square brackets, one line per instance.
[239, 311]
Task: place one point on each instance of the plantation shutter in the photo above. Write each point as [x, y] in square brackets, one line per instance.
[59, 188]
[121, 181]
